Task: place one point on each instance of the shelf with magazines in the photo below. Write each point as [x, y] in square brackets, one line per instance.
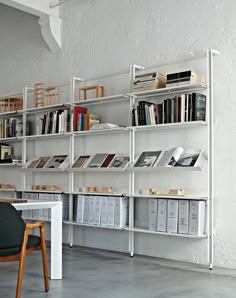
[161, 179]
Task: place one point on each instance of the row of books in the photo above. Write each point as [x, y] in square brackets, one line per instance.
[177, 216]
[102, 210]
[45, 214]
[53, 122]
[183, 108]
[83, 120]
[11, 127]
[174, 157]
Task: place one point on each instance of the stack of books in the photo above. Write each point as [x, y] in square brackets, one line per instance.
[184, 78]
[149, 81]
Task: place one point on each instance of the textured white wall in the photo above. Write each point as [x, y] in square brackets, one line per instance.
[106, 36]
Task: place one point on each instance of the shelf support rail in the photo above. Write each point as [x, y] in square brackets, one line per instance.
[210, 208]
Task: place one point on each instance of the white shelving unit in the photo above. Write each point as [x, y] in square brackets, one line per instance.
[80, 141]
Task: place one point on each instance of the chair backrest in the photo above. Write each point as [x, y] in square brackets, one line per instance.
[12, 226]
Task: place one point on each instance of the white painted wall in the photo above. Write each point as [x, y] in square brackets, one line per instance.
[106, 36]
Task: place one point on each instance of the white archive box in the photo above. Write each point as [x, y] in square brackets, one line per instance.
[121, 211]
[65, 204]
[172, 216]
[111, 211]
[80, 209]
[183, 219]
[197, 216]
[91, 209]
[86, 210]
[162, 215]
[152, 214]
[35, 212]
[104, 203]
[97, 211]
[42, 197]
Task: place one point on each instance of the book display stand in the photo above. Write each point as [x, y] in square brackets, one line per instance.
[143, 165]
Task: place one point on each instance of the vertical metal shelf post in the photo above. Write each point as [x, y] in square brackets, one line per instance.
[131, 181]
[210, 208]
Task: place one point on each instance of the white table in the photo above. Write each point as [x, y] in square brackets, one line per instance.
[56, 232]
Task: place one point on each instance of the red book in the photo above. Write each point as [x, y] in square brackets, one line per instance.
[107, 160]
[78, 110]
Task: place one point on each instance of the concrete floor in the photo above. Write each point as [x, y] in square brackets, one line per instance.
[102, 274]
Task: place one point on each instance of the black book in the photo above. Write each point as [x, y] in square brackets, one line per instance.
[179, 75]
[198, 107]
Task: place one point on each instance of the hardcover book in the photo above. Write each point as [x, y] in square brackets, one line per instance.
[107, 160]
[97, 160]
[180, 157]
[57, 161]
[42, 162]
[147, 159]
[120, 161]
[80, 161]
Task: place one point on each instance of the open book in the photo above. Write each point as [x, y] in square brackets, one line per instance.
[180, 157]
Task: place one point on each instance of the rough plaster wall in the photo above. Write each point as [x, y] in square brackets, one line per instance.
[106, 36]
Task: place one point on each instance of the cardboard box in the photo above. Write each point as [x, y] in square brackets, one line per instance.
[162, 215]
[172, 216]
[197, 215]
[183, 219]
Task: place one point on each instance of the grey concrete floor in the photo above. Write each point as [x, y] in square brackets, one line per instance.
[102, 274]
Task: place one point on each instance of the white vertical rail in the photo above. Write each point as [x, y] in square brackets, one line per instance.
[24, 120]
[210, 55]
[131, 180]
[72, 157]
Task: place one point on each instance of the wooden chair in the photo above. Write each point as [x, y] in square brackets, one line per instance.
[16, 243]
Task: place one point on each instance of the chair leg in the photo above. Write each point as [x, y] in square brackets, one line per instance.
[44, 257]
[21, 266]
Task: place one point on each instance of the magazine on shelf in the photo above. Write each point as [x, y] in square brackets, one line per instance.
[96, 160]
[120, 161]
[30, 164]
[42, 162]
[57, 161]
[147, 159]
[180, 157]
[107, 161]
[80, 161]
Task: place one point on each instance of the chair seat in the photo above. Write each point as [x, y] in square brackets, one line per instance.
[32, 241]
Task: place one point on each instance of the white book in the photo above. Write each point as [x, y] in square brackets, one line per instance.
[104, 202]
[91, 209]
[162, 215]
[183, 217]
[97, 211]
[172, 216]
[197, 215]
[80, 209]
